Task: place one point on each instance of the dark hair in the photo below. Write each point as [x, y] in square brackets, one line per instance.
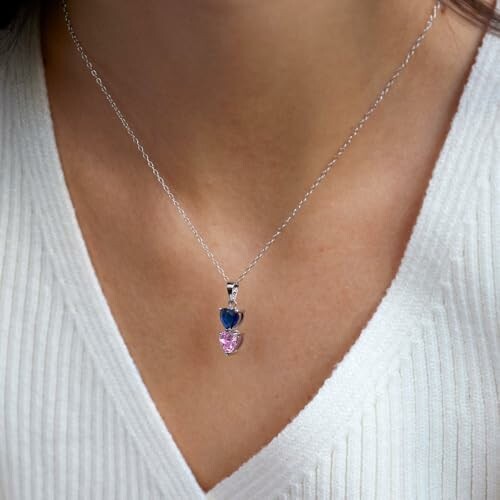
[477, 11]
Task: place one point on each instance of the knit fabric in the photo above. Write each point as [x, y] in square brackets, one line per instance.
[411, 411]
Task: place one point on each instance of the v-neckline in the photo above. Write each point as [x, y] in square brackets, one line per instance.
[352, 382]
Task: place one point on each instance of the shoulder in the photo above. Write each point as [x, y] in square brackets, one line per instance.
[480, 145]
[477, 138]
[484, 129]
[20, 51]
[20, 63]
[478, 242]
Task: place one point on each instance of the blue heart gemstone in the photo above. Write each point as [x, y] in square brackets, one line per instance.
[230, 317]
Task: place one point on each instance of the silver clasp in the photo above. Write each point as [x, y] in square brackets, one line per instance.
[232, 292]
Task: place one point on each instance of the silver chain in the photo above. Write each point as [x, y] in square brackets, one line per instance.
[340, 152]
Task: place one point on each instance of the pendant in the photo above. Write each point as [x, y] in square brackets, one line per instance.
[230, 338]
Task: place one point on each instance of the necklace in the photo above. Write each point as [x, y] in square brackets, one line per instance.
[230, 338]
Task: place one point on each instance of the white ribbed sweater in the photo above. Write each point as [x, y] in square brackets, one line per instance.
[411, 412]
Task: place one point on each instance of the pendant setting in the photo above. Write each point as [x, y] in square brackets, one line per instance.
[230, 338]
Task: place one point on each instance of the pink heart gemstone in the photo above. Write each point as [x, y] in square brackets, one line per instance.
[230, 341]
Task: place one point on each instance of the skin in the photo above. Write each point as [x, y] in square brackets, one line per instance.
[241, 103]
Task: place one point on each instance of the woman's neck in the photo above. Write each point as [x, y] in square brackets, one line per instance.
[264, 90]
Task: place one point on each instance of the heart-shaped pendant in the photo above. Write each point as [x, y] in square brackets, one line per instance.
[230, 341]
[230, 318]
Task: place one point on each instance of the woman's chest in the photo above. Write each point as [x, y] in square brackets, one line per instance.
[305, 304]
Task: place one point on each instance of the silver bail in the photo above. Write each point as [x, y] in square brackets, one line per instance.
[232, 292]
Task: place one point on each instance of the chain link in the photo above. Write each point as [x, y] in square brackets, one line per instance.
[340, 152]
